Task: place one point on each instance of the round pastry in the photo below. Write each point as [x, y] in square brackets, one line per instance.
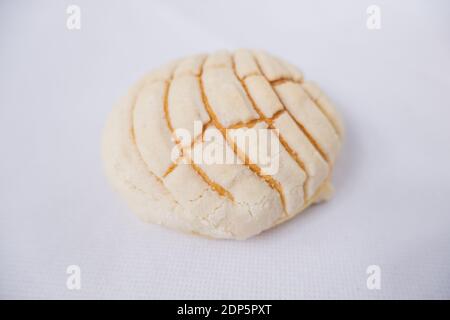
[203, 105]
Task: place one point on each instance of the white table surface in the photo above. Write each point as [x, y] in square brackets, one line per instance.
[392, 201]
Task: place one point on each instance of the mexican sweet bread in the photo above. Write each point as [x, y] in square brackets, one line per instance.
[154, 170]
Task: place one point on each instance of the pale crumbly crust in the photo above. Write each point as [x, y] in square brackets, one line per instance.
[224, 91]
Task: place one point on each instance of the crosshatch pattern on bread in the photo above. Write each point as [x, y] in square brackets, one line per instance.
[222, 91]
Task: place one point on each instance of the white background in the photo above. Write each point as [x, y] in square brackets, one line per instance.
[391, 206]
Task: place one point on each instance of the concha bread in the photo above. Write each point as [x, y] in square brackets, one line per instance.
[223, 91]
